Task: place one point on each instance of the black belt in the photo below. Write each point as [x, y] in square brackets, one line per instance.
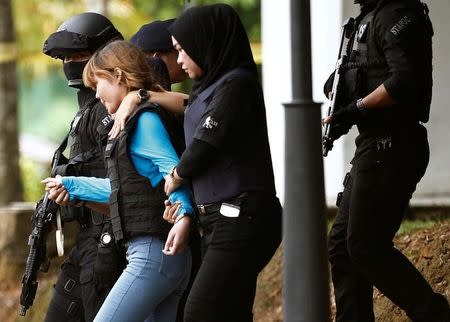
[215, 206]
[208, 208]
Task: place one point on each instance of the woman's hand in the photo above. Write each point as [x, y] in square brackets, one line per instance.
[126, 108]
[56, 191]
[171, 211]
[178, 237]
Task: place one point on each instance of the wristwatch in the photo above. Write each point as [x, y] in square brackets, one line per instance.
[143, 96]
[172, 176]
[360, 105]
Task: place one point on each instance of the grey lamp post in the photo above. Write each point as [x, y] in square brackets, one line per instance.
[306, 293]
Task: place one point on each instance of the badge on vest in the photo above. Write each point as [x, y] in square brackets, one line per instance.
[107, 120]
[209, 123]
[362, 32]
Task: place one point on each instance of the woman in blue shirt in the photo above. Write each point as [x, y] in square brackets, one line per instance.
[137, 162]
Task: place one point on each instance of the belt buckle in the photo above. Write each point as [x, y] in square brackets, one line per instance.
[201, 209]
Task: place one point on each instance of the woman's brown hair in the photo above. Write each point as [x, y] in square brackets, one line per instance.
[123, 59]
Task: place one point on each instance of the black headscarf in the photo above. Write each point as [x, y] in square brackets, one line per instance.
[214, 37]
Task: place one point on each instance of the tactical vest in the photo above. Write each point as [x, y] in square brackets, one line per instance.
[136, 207]
[232, 172]
[367, 69]
[87, 137]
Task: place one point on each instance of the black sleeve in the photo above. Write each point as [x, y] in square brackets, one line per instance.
[195, 158]
[403, 35]
[229, 111]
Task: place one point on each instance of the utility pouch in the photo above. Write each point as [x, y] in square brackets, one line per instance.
[110, 261]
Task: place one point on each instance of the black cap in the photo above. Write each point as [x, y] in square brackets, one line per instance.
[154, 36]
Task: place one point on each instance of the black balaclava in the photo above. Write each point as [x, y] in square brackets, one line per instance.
[74, 73]
[214, 37]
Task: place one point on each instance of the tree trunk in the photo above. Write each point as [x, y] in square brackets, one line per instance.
[10, 180]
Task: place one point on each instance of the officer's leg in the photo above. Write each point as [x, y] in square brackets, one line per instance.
[65, 304]
[238, 249]
[381, 191]
[353, 292]
[99, 269]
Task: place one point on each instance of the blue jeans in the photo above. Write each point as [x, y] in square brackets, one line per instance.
[150, 286]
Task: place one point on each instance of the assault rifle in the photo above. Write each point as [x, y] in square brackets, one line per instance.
[43, 218]
[336, 92]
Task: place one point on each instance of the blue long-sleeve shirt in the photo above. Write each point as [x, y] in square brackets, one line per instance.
[153, 156]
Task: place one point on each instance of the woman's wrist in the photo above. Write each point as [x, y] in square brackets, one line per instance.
[182, 217]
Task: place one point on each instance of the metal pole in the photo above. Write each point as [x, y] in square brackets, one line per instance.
[306, 291]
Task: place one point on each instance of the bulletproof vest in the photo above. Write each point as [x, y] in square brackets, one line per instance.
[244, 166]
[85, 150]
[367, 69]
[136, 207]
[87, 137]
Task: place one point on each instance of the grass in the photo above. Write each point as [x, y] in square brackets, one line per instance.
[408, 226]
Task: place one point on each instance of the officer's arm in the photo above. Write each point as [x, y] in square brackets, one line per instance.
[402, 37]
[230, 112]
[174, 102]
[379, 98]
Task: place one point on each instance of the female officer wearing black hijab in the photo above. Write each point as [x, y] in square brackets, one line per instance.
[228, 162]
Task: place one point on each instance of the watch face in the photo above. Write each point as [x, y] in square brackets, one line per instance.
[143, 95]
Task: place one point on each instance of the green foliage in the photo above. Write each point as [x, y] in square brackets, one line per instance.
[35, 20]
[32, 173]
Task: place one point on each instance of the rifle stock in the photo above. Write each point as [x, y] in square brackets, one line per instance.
[336, 92]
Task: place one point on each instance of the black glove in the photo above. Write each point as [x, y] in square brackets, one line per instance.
[347, 115]
[339, 129]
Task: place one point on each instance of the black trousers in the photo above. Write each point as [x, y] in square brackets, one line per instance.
[82, 284]
[235, 251]
[195, 245]
[361, 251]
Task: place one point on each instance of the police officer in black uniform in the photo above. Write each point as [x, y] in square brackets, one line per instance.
[388, 83]
[155, 41]
[93, 265]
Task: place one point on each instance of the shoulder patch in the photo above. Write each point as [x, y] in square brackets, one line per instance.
[404, 22]
[210, 123]
[107, 120]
